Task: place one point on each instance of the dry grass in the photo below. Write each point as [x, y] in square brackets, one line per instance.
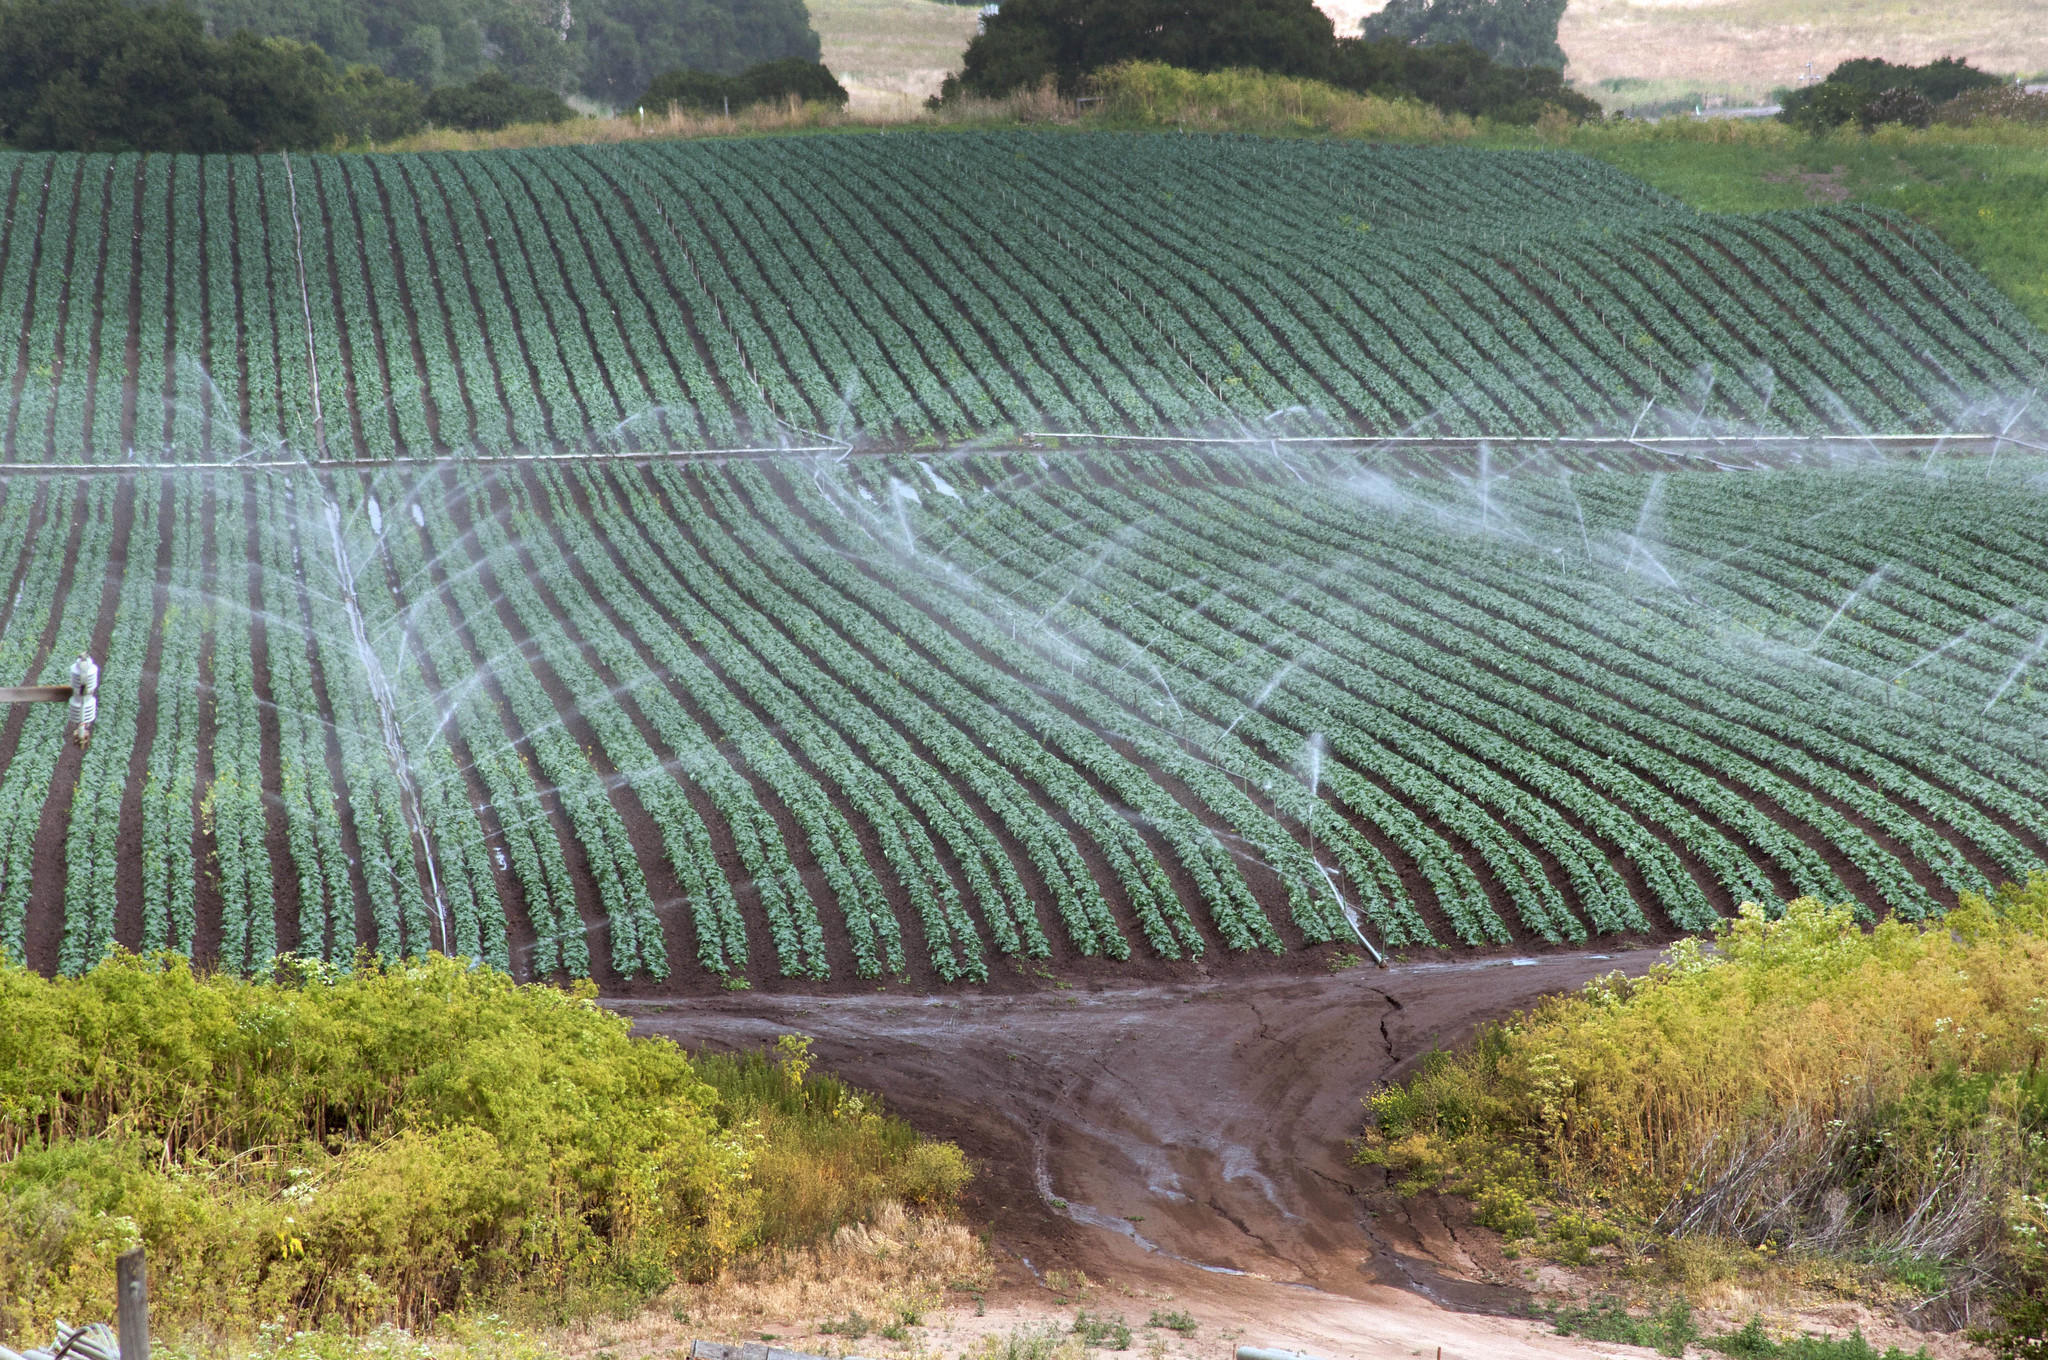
[1742, 49]
[1149, 94]
[889, 1272]
[667, 125]
[891, 54]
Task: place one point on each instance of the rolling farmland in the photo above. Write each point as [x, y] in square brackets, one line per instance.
[421, 628]
[906, 291]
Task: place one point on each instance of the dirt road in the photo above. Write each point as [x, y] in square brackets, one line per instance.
[1191, 1137]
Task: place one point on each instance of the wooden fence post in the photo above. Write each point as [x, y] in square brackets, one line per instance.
[131, 1284]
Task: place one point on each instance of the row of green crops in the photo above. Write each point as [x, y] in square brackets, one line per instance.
[902, 716]
[908, 291]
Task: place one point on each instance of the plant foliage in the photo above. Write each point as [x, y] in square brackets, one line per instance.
[1711, 1098]
[389, 1143]
[1871, 91]
[492, 101]
[1512, 32]
[771, 82]
[607, 49]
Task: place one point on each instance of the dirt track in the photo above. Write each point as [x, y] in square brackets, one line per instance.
[1161, 1136]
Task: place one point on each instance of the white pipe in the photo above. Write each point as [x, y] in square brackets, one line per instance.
[1272, 1353]
[1461, 439]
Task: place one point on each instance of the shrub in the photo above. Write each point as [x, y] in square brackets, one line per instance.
[1909, 108]
[1103, 1331]
[1872, 92]
[492, 101]
[1713, 1098]
[393, 1142]
[1457, 78]
[2000, 104]
[772, 82]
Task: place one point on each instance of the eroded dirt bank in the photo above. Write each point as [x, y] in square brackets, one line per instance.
[1163, 1135]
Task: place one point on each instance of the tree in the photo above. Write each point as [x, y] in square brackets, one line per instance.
[607, 49]
[1455, 77]
[1028, 40]
[100, 75]
[1512, 32]
[374, 107]
[769, 83]
[492, 101]
[1872, 91]
[627, 43]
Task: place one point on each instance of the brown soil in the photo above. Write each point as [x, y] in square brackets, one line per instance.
[1181, 1135]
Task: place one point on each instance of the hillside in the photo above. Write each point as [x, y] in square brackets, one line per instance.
[904, 290]
[894, 682]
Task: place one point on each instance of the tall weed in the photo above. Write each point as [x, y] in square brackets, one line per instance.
[382, 1144]
[1800, 1084]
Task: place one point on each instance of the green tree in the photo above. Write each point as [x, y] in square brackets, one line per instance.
[1028, 40]
[627, 43]
[371, 106]
[607, 49]
[769, 83]
[493, 101]
[100, 75]
[1455, 77]
[1512, 32]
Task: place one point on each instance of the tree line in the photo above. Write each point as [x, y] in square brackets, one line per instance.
[110, 75]
[1497, 58]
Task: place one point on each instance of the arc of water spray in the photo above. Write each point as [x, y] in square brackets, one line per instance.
[2014, 674]
[387, 711]
[1313, 753]
[1869, 582]
[1965, 635]
[373, 669]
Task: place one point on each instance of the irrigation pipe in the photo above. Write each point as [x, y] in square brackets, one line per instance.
[1656, 442]
[1463, 440]
[442, 460]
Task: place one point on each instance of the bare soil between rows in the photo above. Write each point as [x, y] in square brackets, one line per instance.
[1175, 1135]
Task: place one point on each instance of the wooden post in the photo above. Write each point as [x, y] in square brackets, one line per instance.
[131, 1284]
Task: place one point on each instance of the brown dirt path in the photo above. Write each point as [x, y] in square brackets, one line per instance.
[1169, 1136]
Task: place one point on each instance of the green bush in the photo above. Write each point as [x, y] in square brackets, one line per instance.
[492, 101]
[771, 82]
[1664, 1100]
[1457, 78]
[101, 75]
[373, 107]
[389, 1143]
[1873, 92]
[1103, 1331]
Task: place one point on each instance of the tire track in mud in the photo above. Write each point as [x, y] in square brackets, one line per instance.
[1137, 1131]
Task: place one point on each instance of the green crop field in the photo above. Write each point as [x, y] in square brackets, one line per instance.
[907, 290]
[1009, 613]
